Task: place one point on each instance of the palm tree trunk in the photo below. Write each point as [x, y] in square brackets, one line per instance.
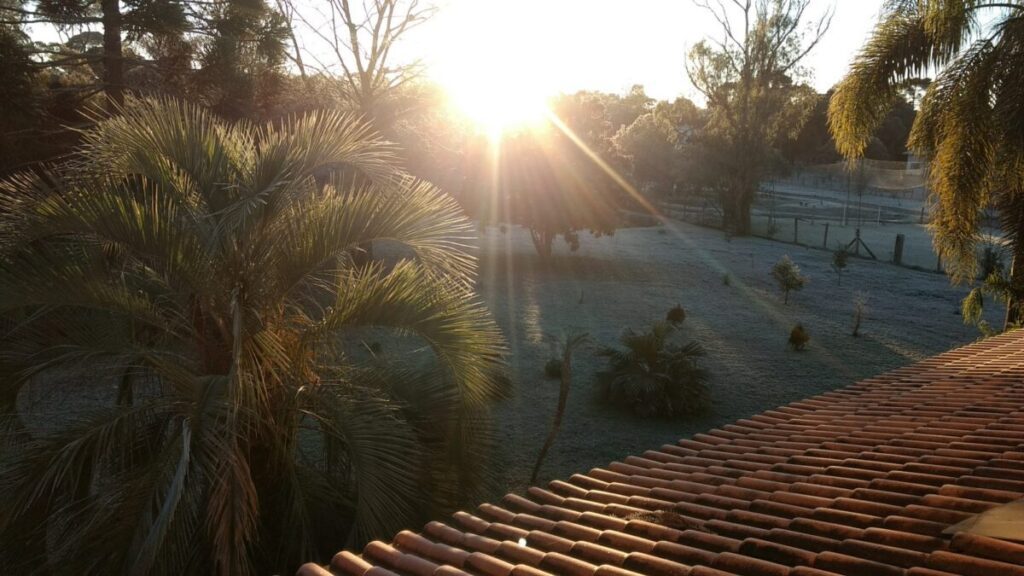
[563, 397]
[571, 341]
[1015, 301]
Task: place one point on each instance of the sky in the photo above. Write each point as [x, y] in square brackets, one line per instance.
[546, 47]
[607, 45]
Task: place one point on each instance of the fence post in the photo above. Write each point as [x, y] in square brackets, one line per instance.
[856, 245]
[824, 243]
[796, 221]
[897, 251]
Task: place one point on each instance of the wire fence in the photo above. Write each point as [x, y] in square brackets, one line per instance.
[905, 244]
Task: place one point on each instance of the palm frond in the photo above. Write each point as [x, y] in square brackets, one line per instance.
[458, 329]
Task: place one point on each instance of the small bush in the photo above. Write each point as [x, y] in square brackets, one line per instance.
[553, 369]
[726, 280]
[840, 259]
[676, 315]
[653, 377]
[787, 274]
[798, 337]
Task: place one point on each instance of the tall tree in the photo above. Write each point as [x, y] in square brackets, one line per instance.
[359, 41]
[115, 20]
[232, 426]
[545, 180]
[241, 55]
[656, 144]
[750, 80]
[971, 119]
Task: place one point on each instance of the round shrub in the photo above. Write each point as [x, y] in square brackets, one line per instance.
[798, 337]
[553, 369]
[676, 315]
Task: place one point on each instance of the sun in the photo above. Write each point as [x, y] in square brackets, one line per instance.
[497, 107]
[492, 74]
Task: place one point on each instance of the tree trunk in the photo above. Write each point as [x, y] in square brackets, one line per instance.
[113, 60]
[571, 342]
[542, 241]
[742, 201]
[1015, 301]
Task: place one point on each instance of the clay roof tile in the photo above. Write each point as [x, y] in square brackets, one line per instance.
[862, 480]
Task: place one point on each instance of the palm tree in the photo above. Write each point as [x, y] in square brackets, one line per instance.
[184, 284]
[971, 120]
[569, 345]
[653, 376]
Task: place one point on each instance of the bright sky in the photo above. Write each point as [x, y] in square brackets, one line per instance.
[568, 45]
[502, 58]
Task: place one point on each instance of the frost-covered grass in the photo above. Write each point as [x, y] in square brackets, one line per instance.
[634, 277]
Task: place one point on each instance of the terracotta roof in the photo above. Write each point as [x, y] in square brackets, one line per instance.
[858, 481]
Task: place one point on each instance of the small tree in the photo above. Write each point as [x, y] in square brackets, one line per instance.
[798, 337]
[570, 343]
[787, 274]
[860, 306]
[840, 258]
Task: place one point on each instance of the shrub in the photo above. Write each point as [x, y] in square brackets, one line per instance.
[676, 315]
[840, 258]
[787, 274]
[653, 377]
[727, 280]
[798, 337]
[553, 368]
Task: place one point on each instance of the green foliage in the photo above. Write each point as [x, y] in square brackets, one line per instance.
[241, 59]
[999, 287]
[200, 267]
[970, 124]
[520, 184]
[652, 376]
[787, 275]
[656, 154]
[675, 315]
[798, 338]
[750, 78]
[726, 279]
[553, 368]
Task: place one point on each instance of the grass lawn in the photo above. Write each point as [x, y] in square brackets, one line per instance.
[632, 278]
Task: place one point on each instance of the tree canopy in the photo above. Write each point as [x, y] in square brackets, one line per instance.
[187, 282]
[971, 119]
[751, 81]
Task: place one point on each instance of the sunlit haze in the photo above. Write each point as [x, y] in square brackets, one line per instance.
[499, 59]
